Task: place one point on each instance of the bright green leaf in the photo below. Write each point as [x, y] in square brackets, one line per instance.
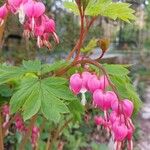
[117, 70]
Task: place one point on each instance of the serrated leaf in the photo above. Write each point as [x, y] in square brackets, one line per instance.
[52, 67]
[33, 66]
[55, 81]
[72, 7]
[34, 94]
[32, 104]
[126, 90]
[10, 73]
[60, 91]
[110, 9]
[114, 69]
[19, 98]
[52, 107]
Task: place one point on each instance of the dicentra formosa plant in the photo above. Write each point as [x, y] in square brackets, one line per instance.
[34, 90]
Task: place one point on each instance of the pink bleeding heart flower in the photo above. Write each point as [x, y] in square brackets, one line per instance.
[113, 117]
[17, 6]
[50, 28]
[93, 83]
[115, 105]
[128, 107]
[102, 100]
[98, 120]
[120, 131]
[103, 82]
[34, 10]
[85, 77]
[76, 83]
[20, 124]
[3, 13]
[34, 136]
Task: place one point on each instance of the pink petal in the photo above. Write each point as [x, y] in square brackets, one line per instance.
[39, 9]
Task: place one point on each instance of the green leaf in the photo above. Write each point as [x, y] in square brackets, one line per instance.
[90, 46]
[118, 70]
[5, 90]
[32, 66]
[55, 81]
[72, 7]
[76, 109]
[33, 103]
[110, 9]
[34, 94]
[28, 85]
[52, 107]
[60, 91]
[52, 67]
[10, 73]
[126, 90]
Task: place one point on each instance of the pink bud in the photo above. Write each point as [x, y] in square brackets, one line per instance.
[93, 83]
[120, 131]
[98, 120]
[127, 107]
[75, 83]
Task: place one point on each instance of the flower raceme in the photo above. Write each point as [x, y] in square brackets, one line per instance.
[32, 16]
[81, 83]
[117, 113]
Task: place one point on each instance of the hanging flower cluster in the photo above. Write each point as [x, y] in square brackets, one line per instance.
[117, 113]
[32, 15]
[86, 82]
[20, 124]
[34, 136]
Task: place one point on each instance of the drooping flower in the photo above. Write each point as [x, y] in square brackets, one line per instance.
[20, 126]
[127, 107]
[103, 99]
[34, 10]
[17, 7]
[120, 131]
[93, 83]
[3, 13]
[76, 83]
[34, 136]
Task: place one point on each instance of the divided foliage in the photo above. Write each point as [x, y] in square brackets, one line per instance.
[107, 8]
[49, 96]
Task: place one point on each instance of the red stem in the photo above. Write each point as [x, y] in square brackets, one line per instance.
[1, 134]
